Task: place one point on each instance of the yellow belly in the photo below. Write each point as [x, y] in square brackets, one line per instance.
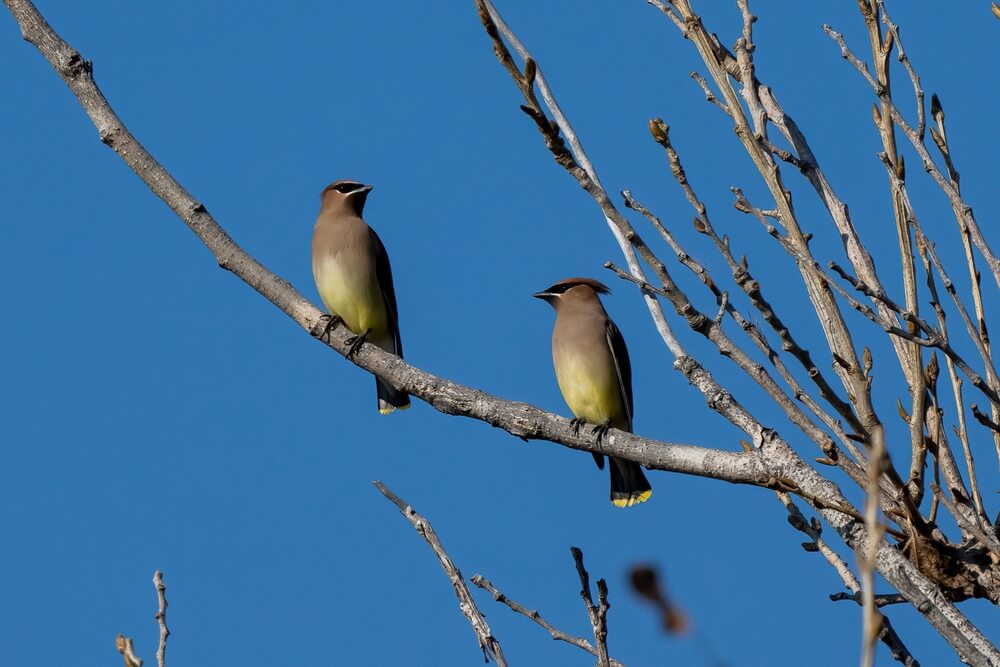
[356, 299]
[592, 393]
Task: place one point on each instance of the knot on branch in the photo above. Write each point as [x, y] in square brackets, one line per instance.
[75, 66]
[110, 136]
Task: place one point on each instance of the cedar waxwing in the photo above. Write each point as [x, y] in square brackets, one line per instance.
[594, 375]
[352, 274]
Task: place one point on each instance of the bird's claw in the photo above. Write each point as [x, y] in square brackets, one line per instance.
[331, 323]
[576, 423]
[356, 342]
[600, 431]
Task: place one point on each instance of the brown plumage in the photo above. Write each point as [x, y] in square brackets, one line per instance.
[353, 276]
[594, 374]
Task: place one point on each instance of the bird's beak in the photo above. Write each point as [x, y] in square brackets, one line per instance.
[544, 296]
[367, 188]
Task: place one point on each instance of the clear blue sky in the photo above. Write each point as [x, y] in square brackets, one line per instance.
[157, 413]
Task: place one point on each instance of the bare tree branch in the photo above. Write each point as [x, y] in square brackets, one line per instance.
[880, 600]
[598, 616]
[556, 633]
[519, 419]
[487, 642]
[161, 618]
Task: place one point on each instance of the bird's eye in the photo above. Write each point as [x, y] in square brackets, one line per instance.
[347, 187]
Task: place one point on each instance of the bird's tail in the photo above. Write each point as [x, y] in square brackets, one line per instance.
[629, 485]
[390, 398]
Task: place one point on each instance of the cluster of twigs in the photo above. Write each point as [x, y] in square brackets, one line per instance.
[488, 644]
[843, 423]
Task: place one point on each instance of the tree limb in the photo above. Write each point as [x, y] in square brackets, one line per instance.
[519, 419]
[487, 642]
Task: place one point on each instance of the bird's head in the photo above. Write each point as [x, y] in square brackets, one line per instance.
[572, 290]
[346, 194]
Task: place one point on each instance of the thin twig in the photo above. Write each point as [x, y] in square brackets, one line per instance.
[880, 600]
[161, 618]
[488, 644]
[556, 633]
[597, 616]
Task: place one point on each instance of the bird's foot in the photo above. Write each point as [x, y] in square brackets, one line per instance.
[601, 430]
[356, 342]
[576, 423]
[331, 323]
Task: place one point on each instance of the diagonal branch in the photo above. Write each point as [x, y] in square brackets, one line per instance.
[519, 419]
[487, 642]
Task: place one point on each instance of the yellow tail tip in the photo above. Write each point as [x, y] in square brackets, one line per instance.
[635, 499]
[392, 408]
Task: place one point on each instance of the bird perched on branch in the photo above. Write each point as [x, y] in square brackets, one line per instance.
[594, 375]
[352, 274]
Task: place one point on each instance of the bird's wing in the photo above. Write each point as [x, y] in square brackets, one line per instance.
[384, 274]
[620, 354]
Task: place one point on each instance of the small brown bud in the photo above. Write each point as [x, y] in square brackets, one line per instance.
[530, 70]
[659, 130]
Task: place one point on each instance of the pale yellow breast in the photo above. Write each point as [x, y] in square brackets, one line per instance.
[353, 295]
[589, 385]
